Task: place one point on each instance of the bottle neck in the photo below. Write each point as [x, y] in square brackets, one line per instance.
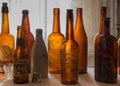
[25, 23]
[106, 30]
[5, 23]
[56, 24]
[20, 42]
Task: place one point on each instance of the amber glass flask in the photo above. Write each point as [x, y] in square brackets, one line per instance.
[6, 39]
[106, 55]
[81, 38]
[28, 36]
[20, 63]
[69, 54]
[54, 42]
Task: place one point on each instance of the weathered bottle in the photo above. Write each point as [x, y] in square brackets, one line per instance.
[81, 38]
[69, 53]
[20, 62]
[28, 36]
[6, 39]
[54, 41]
[106, 55]
[39, 56]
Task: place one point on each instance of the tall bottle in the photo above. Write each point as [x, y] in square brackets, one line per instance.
[20, 63]
[106, 55]
[28, 36]
[69, 54]
[54, 41]
[119, 55]
[81, 38]
[6, 39]
[39, 56]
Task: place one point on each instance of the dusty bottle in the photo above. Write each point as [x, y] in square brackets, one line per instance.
[54, 41]
[106, 55]
[28, 36]
[6, 39]
[69, 54]
[39, 56]
[81, 38]
[20, 62]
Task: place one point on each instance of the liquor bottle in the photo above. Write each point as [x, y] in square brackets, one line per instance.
[6, 39]
[119, 55]
[28, 36]
[39, 56]
[106, 49]
[20, 62]
[81, 38]
[69, 54]
[54, 41]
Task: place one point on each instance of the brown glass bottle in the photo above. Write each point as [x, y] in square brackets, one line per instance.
[69, 54]
[81, 38]
[54, 42]
[106, 55]
[6, 39]
[119, 55]
[20, 63]
[28, 36]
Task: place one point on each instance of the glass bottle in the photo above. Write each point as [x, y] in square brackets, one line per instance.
[20, 62]
[106, 55]
[28, 36]
[69, 54]
[119, 55]
[81, 38]
[54, 41]
[39, 56]
[6, 42]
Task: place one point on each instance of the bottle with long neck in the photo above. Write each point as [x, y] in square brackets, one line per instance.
[54, 41]
[81, 38]
[119, 55]
[69, 54]
[28, 36]
[6, 39]
[106, 55]
[20, 63]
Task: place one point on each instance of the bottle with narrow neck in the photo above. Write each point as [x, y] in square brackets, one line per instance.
[69, 54]
[54, 42]
[81, 38]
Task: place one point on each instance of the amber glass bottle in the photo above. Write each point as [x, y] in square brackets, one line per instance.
[81, 38]
[20, 63]
[54, 41]
[6, 39]
[106, 55]
[28, 36]
[119, 55]
[69, 54]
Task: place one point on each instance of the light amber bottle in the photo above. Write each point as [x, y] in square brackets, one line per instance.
[54, 42]
[69, 54]
[81, 38]
[28, 36]
[6, 39]
[20, 63]
[106, 53]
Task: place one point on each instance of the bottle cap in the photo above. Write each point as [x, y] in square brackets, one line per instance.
[107, 21]
[70, 14]
[25, 11]
[4, 7]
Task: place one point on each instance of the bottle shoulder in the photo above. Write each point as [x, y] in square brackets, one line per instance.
[56, 36]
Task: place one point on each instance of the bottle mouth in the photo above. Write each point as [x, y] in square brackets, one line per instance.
[56, 11]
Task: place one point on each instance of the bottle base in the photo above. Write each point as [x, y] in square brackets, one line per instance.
[70, 82]
[106, 81]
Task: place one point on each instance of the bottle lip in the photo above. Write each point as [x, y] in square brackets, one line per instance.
[4, 7]
[103, 10]
[79, 10]
[25, 11]
[56, 11]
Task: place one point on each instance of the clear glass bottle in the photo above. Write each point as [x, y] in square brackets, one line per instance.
[39, 56]
[106, 49]
[81, 38]
[69, 54]
[28, 36]
[20, 62]
[54, 42]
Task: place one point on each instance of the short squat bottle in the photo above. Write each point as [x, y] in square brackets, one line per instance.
[20, 62]
[81, 38]
[69, 54]
[106, 55]
[54, 42]
[39, 56]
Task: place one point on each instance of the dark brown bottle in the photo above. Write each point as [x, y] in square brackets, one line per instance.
[81, 38]
[20, 62]
[54, 42]
[28, 36]
[119, 55]
[106, 55]
[69, 53]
